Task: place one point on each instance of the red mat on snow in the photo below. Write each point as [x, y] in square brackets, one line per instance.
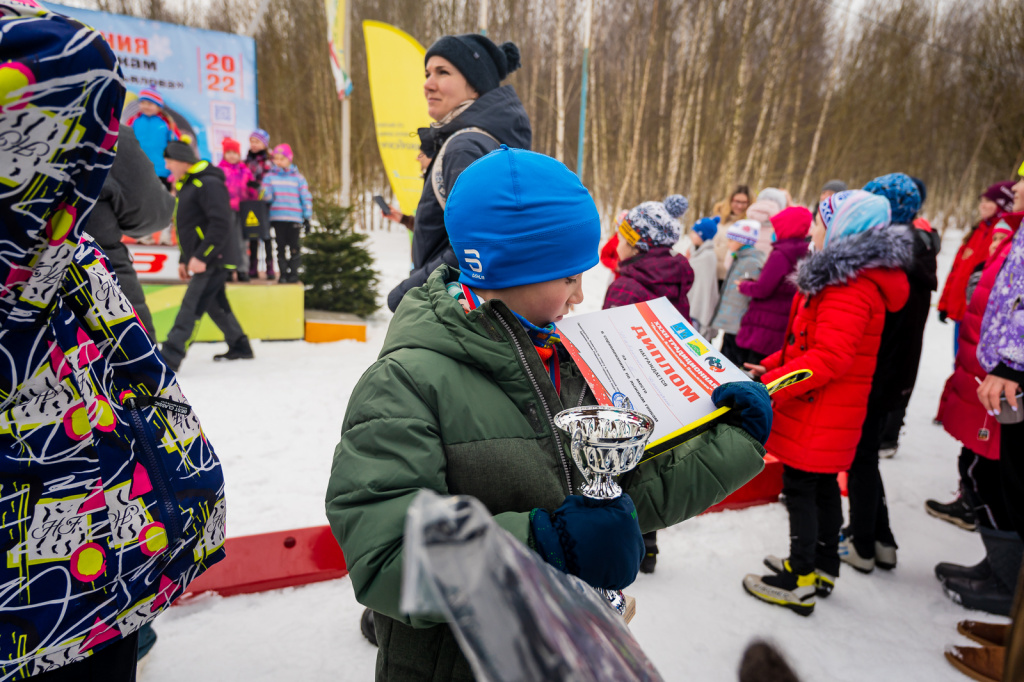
[270, 561]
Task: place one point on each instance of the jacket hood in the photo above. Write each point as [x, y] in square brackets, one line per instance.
[659, 270]
[499, 112]
[792, 223]
[430, 318]
[207, 171]
[888, 248]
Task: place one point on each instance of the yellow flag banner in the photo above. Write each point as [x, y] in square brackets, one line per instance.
[394, 62]
[336, 10]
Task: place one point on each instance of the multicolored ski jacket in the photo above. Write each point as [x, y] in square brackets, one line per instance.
[1001, 348]
[111, 499]
[288, 194]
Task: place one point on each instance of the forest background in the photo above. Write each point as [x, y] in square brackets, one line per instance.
[689, 96]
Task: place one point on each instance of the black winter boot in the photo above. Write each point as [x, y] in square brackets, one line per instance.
[994, 594]
[650, 552]
[979, 571]
[367, 627]
[957, 512]
[239, 350]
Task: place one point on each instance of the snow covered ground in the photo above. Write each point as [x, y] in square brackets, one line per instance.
[275, 421]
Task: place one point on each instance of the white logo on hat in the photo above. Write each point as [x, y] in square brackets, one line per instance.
[474, 263]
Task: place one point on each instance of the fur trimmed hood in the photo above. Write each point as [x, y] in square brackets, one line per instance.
[838, 263]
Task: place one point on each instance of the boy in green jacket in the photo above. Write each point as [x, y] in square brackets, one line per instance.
[462, 398]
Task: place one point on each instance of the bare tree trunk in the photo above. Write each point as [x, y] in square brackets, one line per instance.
[740, 96]
[560, 80]
[833, 76]
[635, 147]
[787, 178]
[775, 66]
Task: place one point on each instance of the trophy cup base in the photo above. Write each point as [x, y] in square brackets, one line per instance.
[603, 487]
[616, 599]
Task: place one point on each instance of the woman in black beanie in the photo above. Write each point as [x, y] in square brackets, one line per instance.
[473, 114]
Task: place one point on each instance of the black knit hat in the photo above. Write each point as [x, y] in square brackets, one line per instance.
[478, 59]
[179, 150]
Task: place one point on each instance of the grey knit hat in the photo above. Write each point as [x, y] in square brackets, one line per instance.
[655, 223]
[478, 59]
[179, 150]
[834, 186]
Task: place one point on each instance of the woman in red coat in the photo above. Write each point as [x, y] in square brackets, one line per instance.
[992, 204]
[844, 290]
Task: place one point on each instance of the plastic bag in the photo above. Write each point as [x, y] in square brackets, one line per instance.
[516, 618]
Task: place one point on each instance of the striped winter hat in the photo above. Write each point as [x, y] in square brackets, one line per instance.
[852, 212]
[744, 231]
[152, 95]
[261, 135]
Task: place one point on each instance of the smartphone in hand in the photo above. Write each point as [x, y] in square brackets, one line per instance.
[385, 209]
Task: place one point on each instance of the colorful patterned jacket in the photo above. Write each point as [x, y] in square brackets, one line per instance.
[288, 194]
[1001, 347]
[111, 499]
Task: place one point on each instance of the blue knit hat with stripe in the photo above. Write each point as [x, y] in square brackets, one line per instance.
[516, 217]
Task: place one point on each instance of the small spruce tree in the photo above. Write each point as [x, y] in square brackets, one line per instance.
[338, 269]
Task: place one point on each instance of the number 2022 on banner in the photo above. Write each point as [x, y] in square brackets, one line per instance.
[220, 73]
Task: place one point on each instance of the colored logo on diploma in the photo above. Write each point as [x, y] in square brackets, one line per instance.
[697, 347]
[682, 331]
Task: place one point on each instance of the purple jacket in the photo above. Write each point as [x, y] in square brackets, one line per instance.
[763, 328]
[652, 275]
[1001, 347]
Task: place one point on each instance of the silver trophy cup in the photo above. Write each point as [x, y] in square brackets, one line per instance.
[605, 442]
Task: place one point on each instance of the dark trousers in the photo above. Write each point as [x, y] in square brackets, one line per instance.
[815, 517]
[869, 513]
[893, 425]
[288, 241]
[737, 355]
[254, 256]
[982, 486]
[113, 663]
[1011, 469]
[205, 294]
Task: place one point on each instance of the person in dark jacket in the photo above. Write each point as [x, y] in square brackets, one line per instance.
[763, 328]
[868, 540]
[647, 267]
[473, 113]
[133, 202]
[209, 252]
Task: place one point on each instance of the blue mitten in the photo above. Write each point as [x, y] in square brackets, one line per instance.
[751, 406]
[597, 540]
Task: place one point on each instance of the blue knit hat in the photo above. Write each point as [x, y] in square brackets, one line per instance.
[516, 217]
[902, 193]
[707, 228]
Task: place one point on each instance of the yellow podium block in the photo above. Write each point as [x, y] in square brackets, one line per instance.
[266, 310]
[325, 327]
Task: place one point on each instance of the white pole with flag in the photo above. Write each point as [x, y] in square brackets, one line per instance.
[338, 42]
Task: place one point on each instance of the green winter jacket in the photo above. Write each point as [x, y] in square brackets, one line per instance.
[461, 404]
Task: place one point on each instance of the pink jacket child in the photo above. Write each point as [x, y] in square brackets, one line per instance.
[239, 179]
[961, 413]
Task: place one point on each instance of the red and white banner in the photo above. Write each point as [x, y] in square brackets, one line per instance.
[155, 264]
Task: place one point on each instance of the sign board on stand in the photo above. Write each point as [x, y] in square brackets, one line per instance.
[207, 78]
